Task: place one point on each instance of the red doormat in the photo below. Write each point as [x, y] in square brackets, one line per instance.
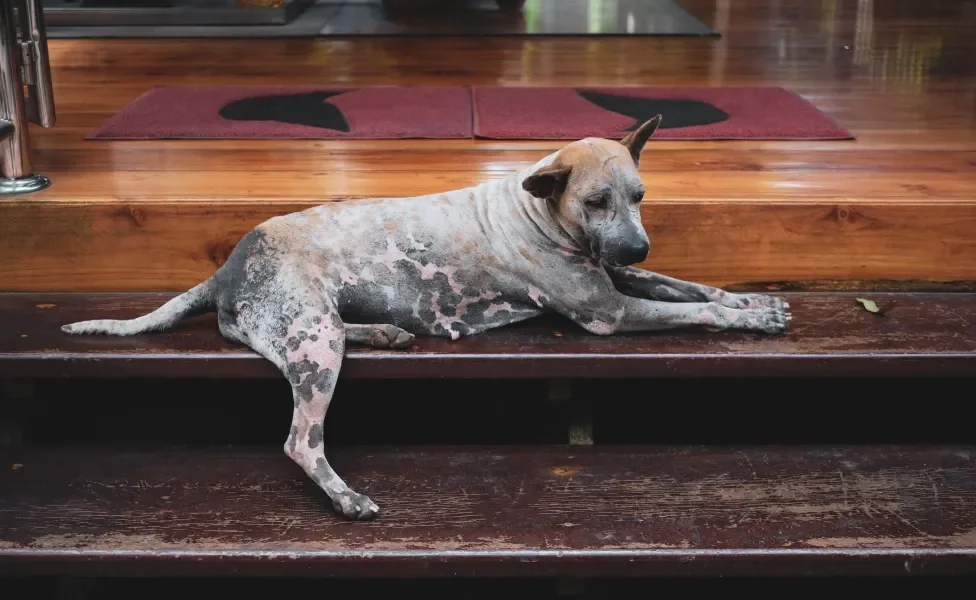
[461, 112]
[294, 113]
[690, 113]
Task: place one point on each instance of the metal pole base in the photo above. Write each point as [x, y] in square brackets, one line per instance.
[23, 185]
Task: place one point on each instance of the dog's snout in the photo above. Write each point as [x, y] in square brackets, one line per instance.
[634, 251]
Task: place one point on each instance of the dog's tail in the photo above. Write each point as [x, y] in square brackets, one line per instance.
[196, 300]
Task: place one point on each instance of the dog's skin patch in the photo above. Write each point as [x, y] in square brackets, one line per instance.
[315, 436]
[556, 237]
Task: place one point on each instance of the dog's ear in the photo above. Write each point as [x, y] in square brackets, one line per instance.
[547, 182]
[635, 140]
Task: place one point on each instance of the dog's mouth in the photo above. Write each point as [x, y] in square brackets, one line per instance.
[617, 263]
[596, 254]
[595, 249]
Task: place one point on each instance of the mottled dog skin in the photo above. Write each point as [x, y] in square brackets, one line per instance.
[557, 237]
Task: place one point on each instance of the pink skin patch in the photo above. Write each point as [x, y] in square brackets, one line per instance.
[535, 294]
[347, 276]
[309, 334]
[600, 327]
[709, 318]
[428, 271]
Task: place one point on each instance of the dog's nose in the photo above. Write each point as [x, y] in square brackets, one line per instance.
[634, 252]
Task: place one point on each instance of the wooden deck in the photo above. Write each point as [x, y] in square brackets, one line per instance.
[896, 205]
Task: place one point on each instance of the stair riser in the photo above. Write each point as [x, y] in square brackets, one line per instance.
[170, 246]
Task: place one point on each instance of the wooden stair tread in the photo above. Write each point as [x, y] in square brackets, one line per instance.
[488, 511]
[831, 335]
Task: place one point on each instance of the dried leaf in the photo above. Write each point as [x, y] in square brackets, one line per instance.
[567, 470]
[872, 306]
[869, 305]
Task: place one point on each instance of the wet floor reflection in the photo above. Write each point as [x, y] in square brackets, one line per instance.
[537, 17]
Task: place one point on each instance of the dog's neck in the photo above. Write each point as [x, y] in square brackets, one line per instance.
[542, 215]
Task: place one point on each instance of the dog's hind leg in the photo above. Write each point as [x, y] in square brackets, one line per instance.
[305, 338]
[313, 353]
[314, 346]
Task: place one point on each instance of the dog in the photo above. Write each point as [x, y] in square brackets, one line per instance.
[556, 237]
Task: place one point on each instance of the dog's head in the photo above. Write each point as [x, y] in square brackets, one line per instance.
[594, 187]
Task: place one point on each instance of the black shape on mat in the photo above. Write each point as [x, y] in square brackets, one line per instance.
[309, 109]
[677, 113]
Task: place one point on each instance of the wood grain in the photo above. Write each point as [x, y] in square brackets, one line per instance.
[472, 511]
[922, 335]
[171, 246]
[726, 187]
[654, 162]
[897, 204]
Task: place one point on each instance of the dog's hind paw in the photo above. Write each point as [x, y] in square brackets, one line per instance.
[390, 336]
[357, 507]
[379, 336]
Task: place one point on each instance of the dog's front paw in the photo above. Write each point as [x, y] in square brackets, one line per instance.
[768, 320]
[753, 301]
[357, 507]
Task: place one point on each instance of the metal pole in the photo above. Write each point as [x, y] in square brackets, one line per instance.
[16, 55]
[37, 73]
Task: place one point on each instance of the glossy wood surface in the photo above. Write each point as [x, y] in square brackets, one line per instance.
[922, 334]
[495, 511]
[899, 203]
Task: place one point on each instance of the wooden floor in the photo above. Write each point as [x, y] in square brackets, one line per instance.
[898, 204]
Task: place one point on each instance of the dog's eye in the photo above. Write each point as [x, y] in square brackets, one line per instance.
[598, 201]
[639, 196]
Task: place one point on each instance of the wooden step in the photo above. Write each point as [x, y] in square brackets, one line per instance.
[154, 227]
[831, 335]
[502, 511]
[894, 205]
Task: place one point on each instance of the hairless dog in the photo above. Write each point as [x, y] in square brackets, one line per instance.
[556, 237]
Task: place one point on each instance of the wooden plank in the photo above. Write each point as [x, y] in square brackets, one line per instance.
[923, 335]
[171, 246]
[69, 135]
[507, 511]
[726, 187]
[118, 156]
